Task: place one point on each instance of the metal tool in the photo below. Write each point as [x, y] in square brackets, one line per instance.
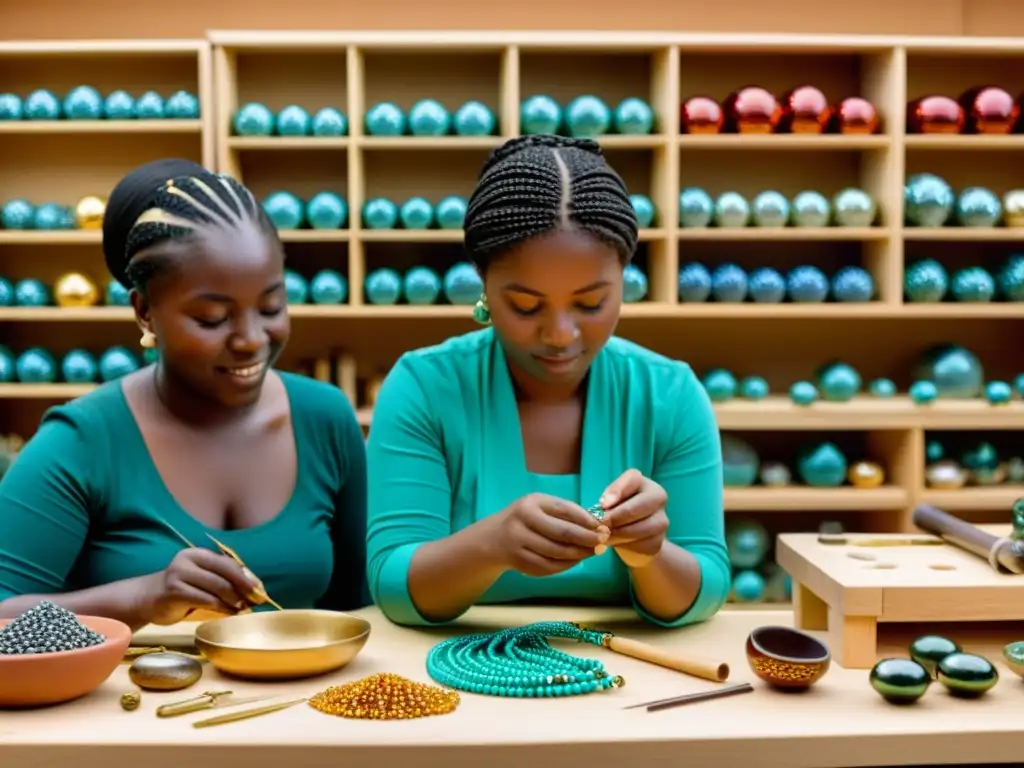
[208, 700]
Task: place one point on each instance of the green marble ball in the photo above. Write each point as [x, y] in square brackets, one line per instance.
[899, 681]
[929, 650]
[967, 675]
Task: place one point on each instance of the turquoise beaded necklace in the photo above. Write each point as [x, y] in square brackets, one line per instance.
[520, 663]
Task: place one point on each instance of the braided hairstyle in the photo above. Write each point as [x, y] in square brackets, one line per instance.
[170, 200]
[534, 185]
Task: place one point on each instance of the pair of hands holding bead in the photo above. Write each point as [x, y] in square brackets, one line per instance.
[542, 535]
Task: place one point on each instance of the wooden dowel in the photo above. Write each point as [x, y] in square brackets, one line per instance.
[1003, 555]
[716, 671]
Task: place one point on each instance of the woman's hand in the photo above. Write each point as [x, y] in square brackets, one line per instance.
[197, 579]
[541, 535]
[635, 513]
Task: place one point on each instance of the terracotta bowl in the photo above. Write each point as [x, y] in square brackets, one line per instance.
[786, 657]
[43, 679]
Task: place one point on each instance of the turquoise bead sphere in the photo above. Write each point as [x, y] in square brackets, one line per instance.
[450, 212]
[998, 392]
[1011, 278]
[882, 388]
[116, 295]
[462, 284]
[50, 216]
[293, 120]
[803, 393]
[11, 107]
[694, 283]
[754, 388]
[822, 465]
[587, 117]
[328, 287]
[8, 367]
[644, 210]
[839, 382]
[925, 281]
[634, 284]
[296, 288]
[17, 214]
[253, 119]
[740, 462]
[978, 207]
[83, 103]
[923, 392]
[79, 367]
[766, 286]
[421, 285]
[973, 284]
[31, 292]
[385, 119]
[150, 106]
[747, 586]
[474, 118]
[117, 362]
[327, 210]
[42, 104]
[329, 122]
[747, 542]
[955, 371]
[696, 208]
[720, 385]
[383, 286]
[633, 116]
[285, 210]
[540, 114]
[35, 366]
[429, 117]
[181, 105]
[416, 213]
[928, 200]
[6, 292]
[380, 213]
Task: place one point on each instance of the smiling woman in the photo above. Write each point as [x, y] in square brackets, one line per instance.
[208, 440]
[487, 450]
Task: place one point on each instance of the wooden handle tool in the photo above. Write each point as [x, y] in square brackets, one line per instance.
[705, 669]
[1004, 555]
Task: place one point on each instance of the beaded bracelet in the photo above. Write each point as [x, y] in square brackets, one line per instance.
[520, 663]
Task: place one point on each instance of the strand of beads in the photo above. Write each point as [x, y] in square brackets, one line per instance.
[520, 663]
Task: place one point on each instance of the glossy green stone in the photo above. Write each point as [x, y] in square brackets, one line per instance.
[929, 650]
[967, 675]
[899, 681]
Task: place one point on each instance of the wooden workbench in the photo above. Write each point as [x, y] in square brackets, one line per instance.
[840, 722]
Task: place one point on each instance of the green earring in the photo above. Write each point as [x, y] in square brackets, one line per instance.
[480, 311]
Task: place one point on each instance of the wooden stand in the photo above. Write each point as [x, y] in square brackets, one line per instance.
[849, 590]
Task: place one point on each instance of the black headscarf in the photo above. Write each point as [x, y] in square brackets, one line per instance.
[132, 196]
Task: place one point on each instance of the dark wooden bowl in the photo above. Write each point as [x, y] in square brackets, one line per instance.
[786, 657]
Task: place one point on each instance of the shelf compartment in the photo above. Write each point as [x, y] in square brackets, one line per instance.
[955, 256]
[302, 173]
[311, 79]
[934, 73]
[21, 262]
[400, 176]
[977, 169]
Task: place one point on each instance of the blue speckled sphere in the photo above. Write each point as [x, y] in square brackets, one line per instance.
[634, 284]
[119, 105]
[450, 212]
[416, 213]
[150, 106]
[327, 210]
[811, 209]
[474, 118]
[767, 286]
[41, 104]
[754, 388]
[380, 213]
[998, 392]
[11, 107]
[253, 119]
[694, 283]
[293, 120]
[421, 285]
[770, 209]
[285, 210]
[383, 286]
[934, 451]
[853, 285]
[328, 287]
[747, 586]
[429, 117]
[79, 367]
[329, 122]
[928, 200]
[587, 117]
[385, 119]
[882, 388]
[18, 214]
[729, 284]
[923, 392]
[1011, 278]
[803, 393]
[740, 462]
[117, 362]
[50, 216]
[35, 366]
[6, 292]
[925, 281]
[181, 105]
[696, 208]
[540, 114]
[31, 292]
[720, 385]
[822, 465]
[838, 382]
[462, 284]
[83, 102]
[116, 295]
[732, 210]
[633, 116]
[955, 370]
[296, 288]
[747, 542]
[978, 207]
[807, 284]
[644, 209]
[973, 284]
[852, 207]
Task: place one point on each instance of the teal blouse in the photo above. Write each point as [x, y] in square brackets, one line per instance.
[446, 450]
[84, 505]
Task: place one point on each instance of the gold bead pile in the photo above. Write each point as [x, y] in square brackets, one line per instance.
[385, 697]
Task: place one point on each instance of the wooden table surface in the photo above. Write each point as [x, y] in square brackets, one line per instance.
[840, 722]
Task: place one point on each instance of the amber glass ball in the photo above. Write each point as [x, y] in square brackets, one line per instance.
[988, 109]
[89, 212]
[752, 110]
[74, 289]
[701, 114]
[855, 115]
[805, 110]
[935, 114]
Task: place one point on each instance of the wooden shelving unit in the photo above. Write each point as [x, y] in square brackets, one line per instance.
[355, 343]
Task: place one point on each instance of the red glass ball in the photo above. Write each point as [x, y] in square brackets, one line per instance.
[805, 110]
[752, 110]
[988, 109]
[855, 115]
[701, 114]
[935, 114]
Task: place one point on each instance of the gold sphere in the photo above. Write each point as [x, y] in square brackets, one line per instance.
[75, 290]
[89, 212]
[866, 474]
[1013, 208]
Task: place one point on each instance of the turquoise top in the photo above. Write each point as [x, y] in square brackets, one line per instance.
[84, 505]
[446, 450]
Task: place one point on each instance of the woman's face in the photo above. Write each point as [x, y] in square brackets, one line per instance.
[554, 303]
[220, 314]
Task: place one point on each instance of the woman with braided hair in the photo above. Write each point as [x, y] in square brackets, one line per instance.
[100, 509]
[543, 458]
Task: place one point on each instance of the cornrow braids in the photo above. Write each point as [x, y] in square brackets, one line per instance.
[534, 185]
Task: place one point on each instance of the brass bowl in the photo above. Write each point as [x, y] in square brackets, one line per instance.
[281, 645]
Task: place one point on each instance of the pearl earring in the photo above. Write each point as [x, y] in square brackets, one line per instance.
[148, 340]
